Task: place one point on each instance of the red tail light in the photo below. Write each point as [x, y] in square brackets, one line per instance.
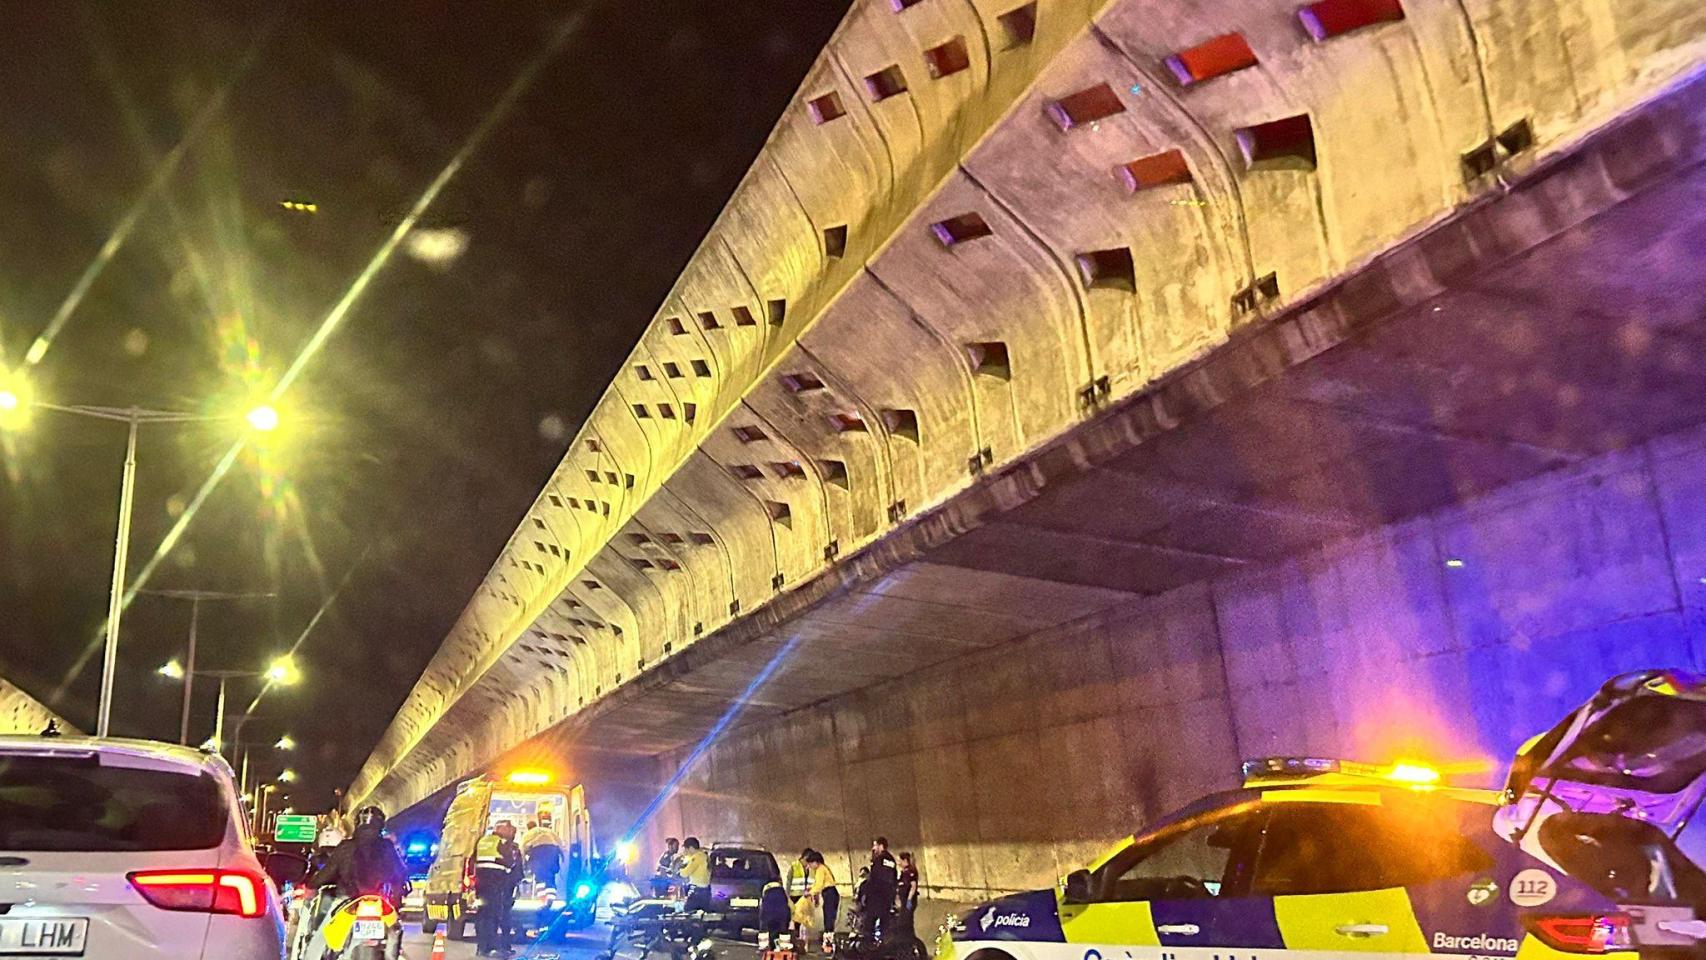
[370, 908]
[202, 891]
[1581, 934]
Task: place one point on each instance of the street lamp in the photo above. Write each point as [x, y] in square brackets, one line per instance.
[287, 776]
[186, 673]
[16, 400]
[282, 671]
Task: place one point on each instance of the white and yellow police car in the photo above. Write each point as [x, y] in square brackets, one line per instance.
[1313, 859]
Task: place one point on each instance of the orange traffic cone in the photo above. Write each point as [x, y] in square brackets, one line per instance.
[438, 946]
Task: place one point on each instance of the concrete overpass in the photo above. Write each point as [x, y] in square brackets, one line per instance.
[22, 713]
[1076, 397]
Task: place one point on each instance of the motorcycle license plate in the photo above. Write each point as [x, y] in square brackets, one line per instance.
[369, 930]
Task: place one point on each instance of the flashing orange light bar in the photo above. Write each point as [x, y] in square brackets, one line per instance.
[531, 778]
[1414, 774]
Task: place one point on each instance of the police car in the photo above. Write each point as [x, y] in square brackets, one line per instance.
[1312, 859]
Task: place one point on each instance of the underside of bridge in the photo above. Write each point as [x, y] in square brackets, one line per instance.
[1028, 518]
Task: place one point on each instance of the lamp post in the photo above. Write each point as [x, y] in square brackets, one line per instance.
[15, 400]
[282, 671]
[195, 597]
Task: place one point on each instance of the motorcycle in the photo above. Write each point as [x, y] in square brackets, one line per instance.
[1610, 795]
[353, 928]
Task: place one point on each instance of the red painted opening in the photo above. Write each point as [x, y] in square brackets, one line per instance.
[948, 58]
[966, 226]
[826, 108]
[1215, 58]
[1286, 141]
[886, 83]
[1330, 18]
[1020, 25]
[1155, 171]
[1085, 106]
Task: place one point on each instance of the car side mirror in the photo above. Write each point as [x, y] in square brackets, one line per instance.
[1078, 887]
[285, 868]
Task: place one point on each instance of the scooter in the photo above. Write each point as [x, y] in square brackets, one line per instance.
[1611, 795]
[355, 928]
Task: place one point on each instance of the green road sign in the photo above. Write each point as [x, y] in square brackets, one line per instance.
[295, 828]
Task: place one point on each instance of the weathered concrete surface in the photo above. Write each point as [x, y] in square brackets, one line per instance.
[22, 713]
[832, 390]
[1007, 768]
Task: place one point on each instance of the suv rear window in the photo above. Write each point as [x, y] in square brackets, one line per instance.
[75, 804]
[743, 865]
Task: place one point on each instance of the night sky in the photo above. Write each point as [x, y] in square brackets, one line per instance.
[420, 433]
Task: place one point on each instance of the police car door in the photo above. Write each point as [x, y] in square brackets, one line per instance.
[1177, 894]
[1338, 873]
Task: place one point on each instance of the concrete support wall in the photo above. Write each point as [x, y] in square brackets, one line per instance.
[1450, 637]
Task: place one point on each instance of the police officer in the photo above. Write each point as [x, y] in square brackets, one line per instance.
[876, 896]
[497, 868]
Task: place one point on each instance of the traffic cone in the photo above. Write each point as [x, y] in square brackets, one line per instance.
[437, 946]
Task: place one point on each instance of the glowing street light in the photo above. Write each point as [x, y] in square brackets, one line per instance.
[283, 672]
[287, 776]
[171, 670]
[17, 401]
[285, 743]
[264, 418]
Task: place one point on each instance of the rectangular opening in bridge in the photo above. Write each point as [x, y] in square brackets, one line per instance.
[847, 423]
[643, 372]
[689, 412]
[538, 523]
[610, 477]
[955, 230]
[1108, 268]
[989, 359]
[1156, 170]
[592, 476]
[593, 445]
[835, 241]
[675, 539]
[885, 83]
[902, 423]
[574, 503]
[708, 320]
[1019, 25]
[675, 325]
[666, 411]
[1086, 106]
[640, 563]
[788, 469]
[701, 368]
[826, 108]
[899, 5]
[749, 434]
[556, 501]
[835, 472]
[671, 566]
[702, 539]
[801, 382]
[1286, 143]
[1516, 138]
[948, 58]
[747, 471]
[778, 310]
[639, 539]
[1227, 53]
[1331, 18]
[744, 317]
[779, 512]
[672, 370]
[592, 585]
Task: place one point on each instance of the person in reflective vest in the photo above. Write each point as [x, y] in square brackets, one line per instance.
[497, 868]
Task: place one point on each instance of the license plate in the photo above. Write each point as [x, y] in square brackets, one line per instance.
[43, 937]
[743, 902]
[369, 930]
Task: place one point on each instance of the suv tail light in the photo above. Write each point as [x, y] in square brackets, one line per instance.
[202, 891]
[1601, 933]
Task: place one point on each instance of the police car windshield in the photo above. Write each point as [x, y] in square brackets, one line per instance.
[1656, 744]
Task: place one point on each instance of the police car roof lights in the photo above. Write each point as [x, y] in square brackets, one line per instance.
[1287, 768]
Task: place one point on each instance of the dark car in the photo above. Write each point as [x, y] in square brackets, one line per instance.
[738, 875]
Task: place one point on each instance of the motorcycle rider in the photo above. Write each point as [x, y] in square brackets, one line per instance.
[366, 864]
